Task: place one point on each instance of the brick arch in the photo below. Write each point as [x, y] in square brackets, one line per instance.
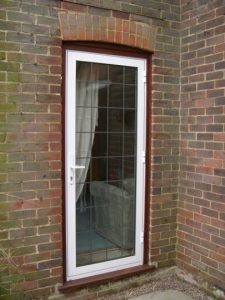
[81, 23]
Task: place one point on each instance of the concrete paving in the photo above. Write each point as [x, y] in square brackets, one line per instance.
[164, 295]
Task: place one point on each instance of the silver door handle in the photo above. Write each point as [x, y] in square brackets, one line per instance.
[77, 167]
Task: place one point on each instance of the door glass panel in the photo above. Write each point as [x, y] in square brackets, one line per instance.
[116, 95]
[105, 139]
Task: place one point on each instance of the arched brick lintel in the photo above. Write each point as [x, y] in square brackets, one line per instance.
[83, 26]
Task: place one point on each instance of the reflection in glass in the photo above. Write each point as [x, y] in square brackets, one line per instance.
[116, 120]
[129, 144]
[100, 144]
[129, 120]
[102, 124]
[116, 73]
[115, 168]
[130, 75]
[129, 99]
[98, 169]
[106, 152]
[116, 95]
[115, 144]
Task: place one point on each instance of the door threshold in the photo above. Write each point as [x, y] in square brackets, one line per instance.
[103, 278]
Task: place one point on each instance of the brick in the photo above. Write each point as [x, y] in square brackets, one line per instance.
[214, 128]
[33, 29]
[215, 22]
[205, 51]
[210, 229]
[120, 14]
[34, 9]
[206, 85]
[215, 93]
[9, 26]
[19, 37]
[49, 264]
[22, 232]
[9, 67]
[99, 11]
[220, 101]
[218, 240]
[220, 83]
[209, 262]
[206, 68]
[23, 250]
[206, 34]
[214, 75]
[213, 146]
[213, 58]
[205, 136]
[130, 8]
[35, 68]
[219, 189]
[19, 17]
[205, 17]
[220, 65]
[219, 172]
[197, 45]
[73, 6]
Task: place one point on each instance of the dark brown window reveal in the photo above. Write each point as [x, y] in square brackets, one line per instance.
[112, 49]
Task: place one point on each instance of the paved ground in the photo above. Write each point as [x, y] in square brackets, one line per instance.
[165, 295]
[159, 282]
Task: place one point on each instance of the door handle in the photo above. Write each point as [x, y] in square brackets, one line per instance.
[77, 167]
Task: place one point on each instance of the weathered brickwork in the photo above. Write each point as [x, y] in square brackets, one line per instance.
[165, 134]
[31, 133]
[30, 206]
[201, 222]
[109, 26]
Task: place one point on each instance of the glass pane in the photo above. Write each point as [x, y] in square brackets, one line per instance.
[129, 144]
[116, 95]
[103, 96]
[100, 144]
[102, 71]
[129, 167]
[82, 140]
[82, 68]
[80, 94]
[86, 118]
[106, 159]
[115, 168]
[130, 75]
[130, 96]
[102, 123]
[115, 143]
[98, 169]
[116, 74]
[116, 120]
[129, 120]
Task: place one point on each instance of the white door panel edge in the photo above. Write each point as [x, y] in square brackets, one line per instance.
[72, 57]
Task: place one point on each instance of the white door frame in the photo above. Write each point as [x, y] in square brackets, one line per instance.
[72, 56]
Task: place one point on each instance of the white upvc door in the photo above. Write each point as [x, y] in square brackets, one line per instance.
[105, 103]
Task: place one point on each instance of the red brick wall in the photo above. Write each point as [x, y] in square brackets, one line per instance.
[201, 221]
[165, 132]
[31, 140]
